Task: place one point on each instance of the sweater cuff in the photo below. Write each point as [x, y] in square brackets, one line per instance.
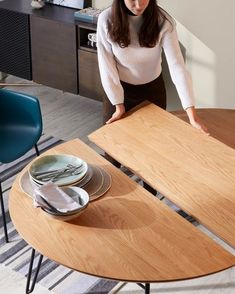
[185, 107]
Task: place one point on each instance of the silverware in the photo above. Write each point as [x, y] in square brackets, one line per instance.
[46, 175]
[63, 174]
[38, 174]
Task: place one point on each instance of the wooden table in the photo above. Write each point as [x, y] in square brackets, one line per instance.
[220, 123]
[195, 171]
[137, 238]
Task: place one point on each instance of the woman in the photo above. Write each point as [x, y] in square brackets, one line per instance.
[130, 38]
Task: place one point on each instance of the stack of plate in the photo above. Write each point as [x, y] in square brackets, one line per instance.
[93, 179]
[63, 170]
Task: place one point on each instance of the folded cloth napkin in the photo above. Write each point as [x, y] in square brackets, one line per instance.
[56, 198]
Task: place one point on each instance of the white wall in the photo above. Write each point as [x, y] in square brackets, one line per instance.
[206, 30]
[101, 3]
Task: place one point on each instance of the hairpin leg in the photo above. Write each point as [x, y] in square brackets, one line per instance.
[146, 287]
[29, 289]
[3, 214]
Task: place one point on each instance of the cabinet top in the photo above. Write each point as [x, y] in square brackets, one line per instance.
[49, 11]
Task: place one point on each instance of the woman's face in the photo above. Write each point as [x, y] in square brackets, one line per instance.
[137, 6]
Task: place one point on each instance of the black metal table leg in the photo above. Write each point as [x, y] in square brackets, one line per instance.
[146, 287]
[29, 289]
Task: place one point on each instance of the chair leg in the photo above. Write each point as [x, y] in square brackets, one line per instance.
[28, 288]
[3, 214]
[2, 204]
[36, 149]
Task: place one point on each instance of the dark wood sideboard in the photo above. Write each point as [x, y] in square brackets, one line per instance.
[49, 47]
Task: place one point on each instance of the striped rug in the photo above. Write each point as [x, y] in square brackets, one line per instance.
[16, 254]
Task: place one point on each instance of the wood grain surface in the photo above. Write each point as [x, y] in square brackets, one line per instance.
[220, 123]
[195, 171]
[127, 234]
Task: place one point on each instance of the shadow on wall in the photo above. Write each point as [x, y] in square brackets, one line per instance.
[201, 63]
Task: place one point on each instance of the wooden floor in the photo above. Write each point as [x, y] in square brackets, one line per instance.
[66, 116]
[69, 116]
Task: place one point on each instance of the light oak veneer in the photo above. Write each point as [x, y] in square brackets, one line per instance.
[220, 123]
[195, 171]
[127, 234]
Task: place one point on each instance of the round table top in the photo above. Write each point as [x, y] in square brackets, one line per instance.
[220, 123]
[127, 235]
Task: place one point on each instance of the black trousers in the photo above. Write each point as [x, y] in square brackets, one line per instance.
[153, 91]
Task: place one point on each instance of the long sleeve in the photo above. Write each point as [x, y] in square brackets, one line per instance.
[179, 74]
[107, 65]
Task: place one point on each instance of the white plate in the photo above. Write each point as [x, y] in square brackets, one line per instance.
[26, 185]
[82, 182]
[53, 162]
[99, 184]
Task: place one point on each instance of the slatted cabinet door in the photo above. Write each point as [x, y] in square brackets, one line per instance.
[15, 56]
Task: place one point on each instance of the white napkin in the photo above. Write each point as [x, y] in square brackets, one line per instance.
[56, 197]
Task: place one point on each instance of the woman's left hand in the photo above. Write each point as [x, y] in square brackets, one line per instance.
[200, 126]
[195, 121]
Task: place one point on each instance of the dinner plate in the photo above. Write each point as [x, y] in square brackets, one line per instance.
[99, 184]
[107, 182]
[82, 182]
[58, 161]
[96, 181]
[26, 185]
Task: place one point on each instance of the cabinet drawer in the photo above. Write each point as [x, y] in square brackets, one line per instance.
[54, 54]
[89, 77]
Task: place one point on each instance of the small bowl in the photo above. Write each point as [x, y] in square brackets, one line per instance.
[73, 193]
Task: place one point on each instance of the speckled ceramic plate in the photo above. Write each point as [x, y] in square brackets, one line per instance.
[54, 162]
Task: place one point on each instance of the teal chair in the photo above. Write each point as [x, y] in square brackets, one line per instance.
[20, 130]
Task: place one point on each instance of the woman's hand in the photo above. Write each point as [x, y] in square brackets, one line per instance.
[195, 121]
[119, 112]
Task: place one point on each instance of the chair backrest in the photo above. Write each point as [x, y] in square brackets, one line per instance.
[19, 113]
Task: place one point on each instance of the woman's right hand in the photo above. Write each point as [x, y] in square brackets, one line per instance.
[119, 112]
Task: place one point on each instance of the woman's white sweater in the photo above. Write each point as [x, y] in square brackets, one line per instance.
[140, 65]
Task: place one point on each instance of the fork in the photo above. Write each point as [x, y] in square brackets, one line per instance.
[53, 173]
[65, 172]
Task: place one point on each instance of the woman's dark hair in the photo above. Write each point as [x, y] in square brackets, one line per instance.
[153, 21]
